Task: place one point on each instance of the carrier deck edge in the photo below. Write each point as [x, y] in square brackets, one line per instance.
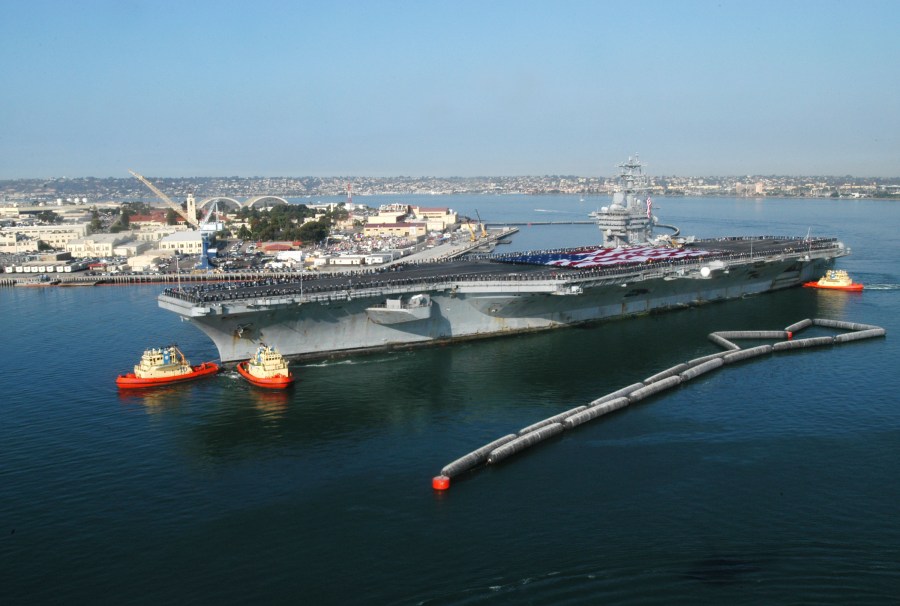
[432, 303]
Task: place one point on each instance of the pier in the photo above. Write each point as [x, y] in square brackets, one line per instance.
[530, 223]
[423, 255]
[510, 444]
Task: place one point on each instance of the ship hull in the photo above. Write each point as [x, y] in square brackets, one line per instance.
[307, 327]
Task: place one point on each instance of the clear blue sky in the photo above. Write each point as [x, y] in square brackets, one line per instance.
[448, 88]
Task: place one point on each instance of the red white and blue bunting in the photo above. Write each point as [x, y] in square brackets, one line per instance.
[605, 257]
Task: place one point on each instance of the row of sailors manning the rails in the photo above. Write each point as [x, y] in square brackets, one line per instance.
[582, 258]
[168, 365]
[602, 260]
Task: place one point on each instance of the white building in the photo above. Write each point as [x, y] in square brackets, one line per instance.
[157, 233]
[185, 242]
[98, 245]
[57, 236]
[347, 260]
[411, 230]
[131, 248]
[437, 218]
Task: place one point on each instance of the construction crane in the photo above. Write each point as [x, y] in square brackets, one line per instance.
[471, 229]
[190, 216]
[481, 223]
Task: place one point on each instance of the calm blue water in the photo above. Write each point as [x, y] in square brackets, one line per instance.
[773, 481]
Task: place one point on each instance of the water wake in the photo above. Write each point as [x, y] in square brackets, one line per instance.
[882, 287]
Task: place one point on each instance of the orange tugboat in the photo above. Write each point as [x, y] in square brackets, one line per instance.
[267, 368]
[835, 279]
[163, 367]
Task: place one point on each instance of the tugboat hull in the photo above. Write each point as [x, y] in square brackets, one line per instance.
[278, 382]
[131, 381]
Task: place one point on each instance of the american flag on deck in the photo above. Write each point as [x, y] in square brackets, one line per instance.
[608, 257]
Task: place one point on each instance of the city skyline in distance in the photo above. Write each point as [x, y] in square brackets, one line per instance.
[461, 89]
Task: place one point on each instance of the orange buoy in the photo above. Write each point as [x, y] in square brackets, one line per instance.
[440, 482]
[790, 335]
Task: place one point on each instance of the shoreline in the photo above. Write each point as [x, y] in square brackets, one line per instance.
[442, 252]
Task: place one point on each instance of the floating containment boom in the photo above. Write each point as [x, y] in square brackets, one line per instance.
[535, 433]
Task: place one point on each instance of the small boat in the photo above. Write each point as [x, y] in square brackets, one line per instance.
[835, 279]
[41, 280]
[163, 367]
[267, 368]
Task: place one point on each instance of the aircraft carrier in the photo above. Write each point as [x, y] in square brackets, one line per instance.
[490, 295]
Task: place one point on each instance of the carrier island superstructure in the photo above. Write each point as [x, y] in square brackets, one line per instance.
[499, 294]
